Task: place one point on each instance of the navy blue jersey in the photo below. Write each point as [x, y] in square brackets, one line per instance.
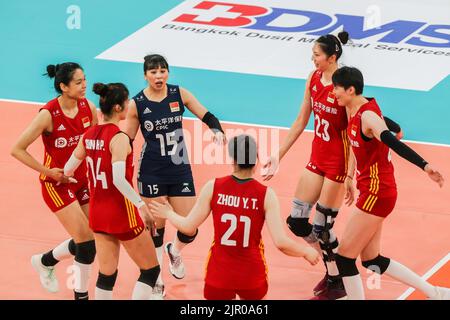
[164, 157]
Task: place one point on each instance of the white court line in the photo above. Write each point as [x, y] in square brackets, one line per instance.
[248, 124]
[427, 275]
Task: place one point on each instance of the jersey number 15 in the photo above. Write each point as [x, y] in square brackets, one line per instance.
[170, 142]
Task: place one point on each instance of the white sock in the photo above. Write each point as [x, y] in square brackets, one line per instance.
[401, 273]
[82, 276]
[332, 268]
[62, 252]
[101, 294]
[354, 287]
[142, 291]
[177, 246]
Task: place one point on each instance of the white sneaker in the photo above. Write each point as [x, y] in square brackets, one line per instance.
[441, 294]
[176, 265]
[158, 292]
[46, 274]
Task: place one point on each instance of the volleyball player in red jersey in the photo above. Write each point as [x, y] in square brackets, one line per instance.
[371, 140]
[240, 206]
[321, 182]
[61, 123]
[117, 214]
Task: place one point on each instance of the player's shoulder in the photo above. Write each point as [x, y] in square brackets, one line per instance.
[139, 97]
[51, 105]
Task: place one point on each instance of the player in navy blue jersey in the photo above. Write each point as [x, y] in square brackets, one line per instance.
[164, 168]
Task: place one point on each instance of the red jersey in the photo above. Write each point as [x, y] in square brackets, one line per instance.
[374, 169]
[109, 210]
[60, 143]
[330, 147]
[236, 259]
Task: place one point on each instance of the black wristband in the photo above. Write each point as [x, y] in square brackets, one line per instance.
[402, 149]
[392, 125]
[212, 122]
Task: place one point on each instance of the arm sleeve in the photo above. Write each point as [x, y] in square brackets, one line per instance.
[212, 122]
[392, 125]
[121, 183]
[402, 149]
[71, 165]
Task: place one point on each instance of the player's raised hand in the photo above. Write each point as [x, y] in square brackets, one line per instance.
[270, 168]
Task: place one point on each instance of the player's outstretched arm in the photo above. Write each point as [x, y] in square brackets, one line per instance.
[298, 126]
[200, 111]
[279, 237]
[374, 126]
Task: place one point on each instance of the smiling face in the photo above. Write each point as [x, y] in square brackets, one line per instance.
[320, 59]
[344, 96]
[76, 89]
[157, 78]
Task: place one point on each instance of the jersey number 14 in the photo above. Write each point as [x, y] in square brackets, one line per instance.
[95, 172]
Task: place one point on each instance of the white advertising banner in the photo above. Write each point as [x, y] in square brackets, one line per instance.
[395, 43]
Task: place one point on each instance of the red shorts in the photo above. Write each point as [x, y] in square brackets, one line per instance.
[125, 236]
[336, 175]
[213, 293]
[380, 206]
[59, 197]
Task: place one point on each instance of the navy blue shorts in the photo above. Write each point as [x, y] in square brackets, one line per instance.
[150, 189]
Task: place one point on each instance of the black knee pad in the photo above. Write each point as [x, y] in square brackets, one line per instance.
[346, 266]
[378, 265]
[72, 247]
[185, 238]
[159, 239]
[150, 276]
[85, 252]
[106, 282]
[299, 226]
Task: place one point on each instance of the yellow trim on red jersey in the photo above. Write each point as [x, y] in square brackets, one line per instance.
[53, 194]
[48, 159]
[207, 260]
[374, 179]
[369, 203]
[373, 203]
[131, 213]
[346, 149]
[261, 251]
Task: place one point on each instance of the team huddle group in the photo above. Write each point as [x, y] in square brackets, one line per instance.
[87, 181]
